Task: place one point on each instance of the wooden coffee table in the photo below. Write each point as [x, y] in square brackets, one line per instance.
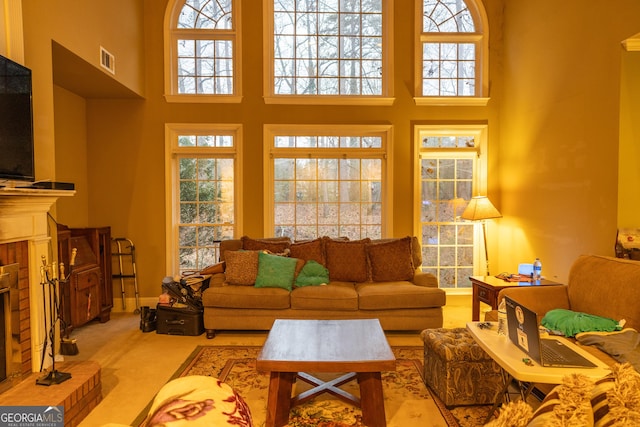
[296, 347]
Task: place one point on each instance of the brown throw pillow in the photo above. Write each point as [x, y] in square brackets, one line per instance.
[391, 260]
[241, 267]
[276, 245]
[347, 260]
[309, 250]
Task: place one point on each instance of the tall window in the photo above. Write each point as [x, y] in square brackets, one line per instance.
[333, 183]
[202, 51]
[202, 201]
[452, 51]
[328, 49]
[450, 167]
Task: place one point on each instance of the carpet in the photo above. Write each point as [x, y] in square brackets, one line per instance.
[408, 402]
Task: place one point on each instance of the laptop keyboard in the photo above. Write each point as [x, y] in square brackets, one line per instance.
[554, 354]
[550, 355]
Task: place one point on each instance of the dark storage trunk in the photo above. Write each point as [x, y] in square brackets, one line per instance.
[179, 321]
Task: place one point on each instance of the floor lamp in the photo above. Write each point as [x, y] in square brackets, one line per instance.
[480, 208]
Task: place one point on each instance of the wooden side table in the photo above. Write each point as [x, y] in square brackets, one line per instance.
[486, 289]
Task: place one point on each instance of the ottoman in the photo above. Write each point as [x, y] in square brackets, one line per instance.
[457, 369]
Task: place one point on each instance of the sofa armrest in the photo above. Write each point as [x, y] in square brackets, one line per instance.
[217, 280]
[427, 280]
[540, 299]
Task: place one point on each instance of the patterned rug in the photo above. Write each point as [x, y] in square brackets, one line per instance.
[408, 402]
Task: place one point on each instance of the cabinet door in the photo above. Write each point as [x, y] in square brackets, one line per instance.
[85, 295]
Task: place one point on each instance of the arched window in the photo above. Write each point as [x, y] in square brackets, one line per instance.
[328, 51]
[451, 52]
[202, 51]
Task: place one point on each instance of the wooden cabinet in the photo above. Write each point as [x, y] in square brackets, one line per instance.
[88, 292]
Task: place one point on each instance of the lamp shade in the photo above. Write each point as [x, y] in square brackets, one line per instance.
[479, 208]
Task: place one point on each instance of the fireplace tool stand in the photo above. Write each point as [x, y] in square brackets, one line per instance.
[54, 376]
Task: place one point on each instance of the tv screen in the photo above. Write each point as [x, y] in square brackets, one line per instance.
[16, 123]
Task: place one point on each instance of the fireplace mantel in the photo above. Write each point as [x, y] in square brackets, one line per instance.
[23, 217]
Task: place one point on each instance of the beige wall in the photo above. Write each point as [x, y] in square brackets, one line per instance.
[629, 158]
[554, 91]
[559, 119]
[71, 155]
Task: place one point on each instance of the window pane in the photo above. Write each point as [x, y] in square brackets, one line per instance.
[325, 191]
[333, 44]
[205, 191]
[446, 186]
[446, 16]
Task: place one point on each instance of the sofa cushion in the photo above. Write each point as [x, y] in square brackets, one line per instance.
[334, 296]
[250, 297]
[241, 267]
[275, 271]
[347, 260]
[277, 245]
[398, 295]
[313, 273]
[309, 250]
[391, 260]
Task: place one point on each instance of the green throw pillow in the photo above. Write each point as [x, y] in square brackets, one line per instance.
[313, 273]
[570, 322]
[275, 271]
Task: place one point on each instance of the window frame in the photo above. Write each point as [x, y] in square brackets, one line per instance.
[480, 38]
[172, 169]
[171, 36]
[479, 179]
[387, 97]
[385, 153]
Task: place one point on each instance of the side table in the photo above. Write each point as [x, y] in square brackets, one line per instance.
[486, 289]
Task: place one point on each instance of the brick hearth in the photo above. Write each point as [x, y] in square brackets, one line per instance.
[79, 394]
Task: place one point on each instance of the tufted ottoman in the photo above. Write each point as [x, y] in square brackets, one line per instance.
[457, 369]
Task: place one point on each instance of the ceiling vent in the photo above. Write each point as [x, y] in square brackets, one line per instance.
[107, 60]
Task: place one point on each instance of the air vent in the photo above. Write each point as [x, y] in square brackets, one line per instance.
[107, 60]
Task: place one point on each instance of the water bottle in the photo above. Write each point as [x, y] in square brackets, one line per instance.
[502, 318]
[537, 269]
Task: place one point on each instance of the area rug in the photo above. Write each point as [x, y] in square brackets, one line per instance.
[408, 402]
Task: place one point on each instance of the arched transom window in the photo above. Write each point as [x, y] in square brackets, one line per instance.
[452, 49]
[203, 49]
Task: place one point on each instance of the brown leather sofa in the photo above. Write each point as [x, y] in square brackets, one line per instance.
[367, 279]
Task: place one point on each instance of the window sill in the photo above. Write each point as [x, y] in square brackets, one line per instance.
[328, 100]
[204, 99]
[471, 101]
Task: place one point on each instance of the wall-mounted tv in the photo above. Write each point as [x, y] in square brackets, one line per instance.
[16, 123]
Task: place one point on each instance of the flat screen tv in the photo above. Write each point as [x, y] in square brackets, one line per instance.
[16, 123]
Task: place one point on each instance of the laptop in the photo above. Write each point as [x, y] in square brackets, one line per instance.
[522, 324]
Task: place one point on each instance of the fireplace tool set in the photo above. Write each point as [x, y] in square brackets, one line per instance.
[48, 276]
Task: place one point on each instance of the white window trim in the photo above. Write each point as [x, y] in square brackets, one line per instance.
[386, 99]
[271, 131]
[172, 204]
[479, 182]
[477, 11]
[172, 34]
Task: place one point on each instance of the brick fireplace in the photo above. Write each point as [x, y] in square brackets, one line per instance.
[25, 240]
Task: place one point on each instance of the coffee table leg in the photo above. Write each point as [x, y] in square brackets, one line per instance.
[371, 399]
[279, 399]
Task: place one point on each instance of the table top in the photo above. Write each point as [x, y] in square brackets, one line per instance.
[494, 282]
[509, 357]
[355, 345]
